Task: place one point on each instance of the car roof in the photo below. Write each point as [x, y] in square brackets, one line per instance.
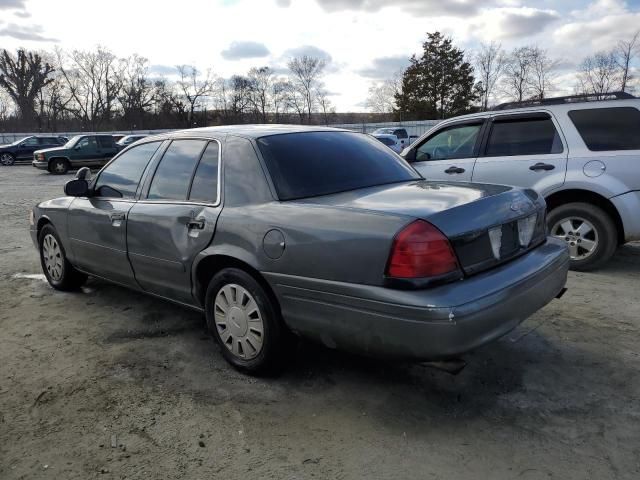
[247, 131]
[385, 135]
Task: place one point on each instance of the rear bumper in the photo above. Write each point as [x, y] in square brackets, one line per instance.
[628, 206]
[430, 324]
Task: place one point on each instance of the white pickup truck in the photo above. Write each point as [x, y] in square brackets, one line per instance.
[403, 136]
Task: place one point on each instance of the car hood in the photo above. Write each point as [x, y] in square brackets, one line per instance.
[455, 208]
[49, 150]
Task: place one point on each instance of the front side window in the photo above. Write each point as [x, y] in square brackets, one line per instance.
[308, 164]
[121, 177]
[453, 142]
[401, 133]
[87, 143]
[532, 136]
[204, 187]
[31, 142]
[608, 128]
[173, 175]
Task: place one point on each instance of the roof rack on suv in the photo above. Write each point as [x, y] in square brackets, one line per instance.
[585, 97]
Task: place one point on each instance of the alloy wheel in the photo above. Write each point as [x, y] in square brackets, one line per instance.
[52, 255]
[6, 159]
[579, 234]
[239, 321]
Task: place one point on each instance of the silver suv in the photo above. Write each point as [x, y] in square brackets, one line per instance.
[581, 153]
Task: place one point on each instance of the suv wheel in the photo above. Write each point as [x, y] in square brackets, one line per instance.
[7, 159]
[59, 166]
[589, 232]
[246, 322]
[59, 272]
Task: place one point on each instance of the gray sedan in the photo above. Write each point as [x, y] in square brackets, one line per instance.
[281, 231]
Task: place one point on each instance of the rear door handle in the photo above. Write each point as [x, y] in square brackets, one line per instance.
[197, 223]
[452, 170]
[541, 166]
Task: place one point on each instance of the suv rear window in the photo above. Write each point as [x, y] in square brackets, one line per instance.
[320, 163]
[523, 136]
[105, 142]
[616, 128]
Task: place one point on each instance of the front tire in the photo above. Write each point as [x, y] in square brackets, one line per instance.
[59, 166]
[246, 322]
[589, 232]
[7, 159]
[59, 272]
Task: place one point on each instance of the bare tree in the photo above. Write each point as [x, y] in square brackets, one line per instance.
[325, 104]
[6, 106]
[194, 88]
[382, 96]
[599, 73]
[516, 80]
[542, 73]
[23, 76]
[261, 80]
[136, 95]
[306, 72]
[489, 62]
[624, 53]
[280, 89]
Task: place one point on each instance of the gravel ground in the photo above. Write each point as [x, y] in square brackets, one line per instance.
[109, 383]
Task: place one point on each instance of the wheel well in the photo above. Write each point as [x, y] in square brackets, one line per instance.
[211, 265]
[41, 223]
[567, 196]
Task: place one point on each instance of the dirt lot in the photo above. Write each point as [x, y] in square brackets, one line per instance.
[112, 384]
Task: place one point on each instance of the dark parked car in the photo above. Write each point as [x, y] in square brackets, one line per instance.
[322, 233]
[129, 139]
[80, 151]
[23, 149]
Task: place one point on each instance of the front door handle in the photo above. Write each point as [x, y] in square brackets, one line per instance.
[197, 223]
[452, 170]
[541, 166]
[117, 218]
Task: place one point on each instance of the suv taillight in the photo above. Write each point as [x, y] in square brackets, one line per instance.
[420, 250]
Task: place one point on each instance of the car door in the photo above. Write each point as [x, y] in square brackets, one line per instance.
[108, 148]
[175, 218]
[448, 153]
[27, 147]
[85, 152]
[523, 149]
[97, 225]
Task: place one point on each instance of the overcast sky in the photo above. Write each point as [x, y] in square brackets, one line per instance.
[363, 40]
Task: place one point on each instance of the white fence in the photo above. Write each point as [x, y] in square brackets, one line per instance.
[413, 128]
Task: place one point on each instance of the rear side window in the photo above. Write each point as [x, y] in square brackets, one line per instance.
[123, 174]
[602, 129]
[204, 187]
[534, 136]
[173, 175]
[105, 142]
[308, 164]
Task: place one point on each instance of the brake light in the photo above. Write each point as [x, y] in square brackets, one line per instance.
[421, 250]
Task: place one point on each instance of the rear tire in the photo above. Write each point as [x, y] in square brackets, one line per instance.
[60, 274]
[246, 322]
[7, 159]
[59, 166]
[589, 232]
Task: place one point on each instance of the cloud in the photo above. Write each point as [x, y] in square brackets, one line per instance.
[22, 14]
[8, 4]
[283, 3]
[21, 32]
[385, 67]
[241, 50]
[598, 33]
[163, 70]
[310, 51]
[449, 8]
[515, 23]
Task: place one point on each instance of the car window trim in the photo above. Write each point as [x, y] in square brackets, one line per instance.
[145, 192]
[516, 117]
[482, 121]
[142, 178]
[193, 176]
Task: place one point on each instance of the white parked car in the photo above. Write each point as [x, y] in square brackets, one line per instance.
[390, 141]
[401, 133]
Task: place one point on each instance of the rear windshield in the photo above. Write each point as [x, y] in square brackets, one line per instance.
[319, 163]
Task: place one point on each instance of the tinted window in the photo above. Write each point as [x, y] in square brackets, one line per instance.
[400, 133]
[318, 163]
[124, 172]
[105, 142]
[48, 141]
[534, 136]
[453, 142]
[87, 143]
[31, 142]
[608, 128]
[205, 182]
[387, 141]
[173, 175]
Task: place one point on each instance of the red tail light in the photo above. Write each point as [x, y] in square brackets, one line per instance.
[421, 250]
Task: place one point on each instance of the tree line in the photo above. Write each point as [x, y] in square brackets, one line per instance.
[446, 81]
[94, 90]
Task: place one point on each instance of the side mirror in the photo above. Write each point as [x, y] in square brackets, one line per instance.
[410, 156]
[84, 174]
[77, 188]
